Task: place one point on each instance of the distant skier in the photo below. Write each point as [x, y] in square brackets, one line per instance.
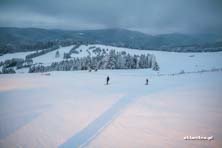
[147, 81]
[107, 80]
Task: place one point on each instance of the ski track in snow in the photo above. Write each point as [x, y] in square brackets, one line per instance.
[89, 133]
[86, 135]
[170, 64]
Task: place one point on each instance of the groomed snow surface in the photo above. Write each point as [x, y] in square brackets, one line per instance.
[70, 109]
[77, 109]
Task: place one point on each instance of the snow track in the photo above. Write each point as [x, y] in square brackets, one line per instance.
[83, 137]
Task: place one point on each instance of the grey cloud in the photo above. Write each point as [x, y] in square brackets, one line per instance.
[150, 16]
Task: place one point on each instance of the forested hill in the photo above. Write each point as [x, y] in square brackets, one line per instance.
[28, 39]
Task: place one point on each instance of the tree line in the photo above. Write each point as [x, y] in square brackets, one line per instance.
[110, 60]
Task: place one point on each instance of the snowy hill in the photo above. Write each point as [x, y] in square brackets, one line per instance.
[77, 109]
[50, 57]
[14, 55]
[169, 62]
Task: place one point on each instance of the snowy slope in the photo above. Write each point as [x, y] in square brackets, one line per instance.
[169, 62]
[48, 58]
[162, 114]
[14, 55]
[82, 51]
[69, 109]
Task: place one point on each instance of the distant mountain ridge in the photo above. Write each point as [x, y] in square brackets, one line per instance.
[23, 39]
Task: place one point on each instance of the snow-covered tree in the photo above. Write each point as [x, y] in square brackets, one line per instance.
[156, 66]
[111, 60]
[111, 63]
[66, 56]
[57, 55]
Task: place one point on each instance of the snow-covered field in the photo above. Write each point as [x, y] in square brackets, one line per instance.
[77, 109]
[68, 109]
[169, 62]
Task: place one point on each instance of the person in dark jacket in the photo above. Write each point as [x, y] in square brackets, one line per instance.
[107, 80]
[147, 81]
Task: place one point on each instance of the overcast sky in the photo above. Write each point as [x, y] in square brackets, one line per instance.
[149, 16]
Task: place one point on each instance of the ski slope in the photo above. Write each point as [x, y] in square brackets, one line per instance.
[77, 109]
[69, 109]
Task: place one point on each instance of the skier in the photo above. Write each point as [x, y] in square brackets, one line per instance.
[147, 81]
[107, 80]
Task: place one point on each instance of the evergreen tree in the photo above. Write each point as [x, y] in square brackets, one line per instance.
[156, 67]
[111, 60]
[57, 55]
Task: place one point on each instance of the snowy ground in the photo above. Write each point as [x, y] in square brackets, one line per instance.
[76, 108]
[186, 105]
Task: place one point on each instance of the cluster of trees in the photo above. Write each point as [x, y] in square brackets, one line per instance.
[27, 46]
[73, 50]
[57, 54]
[111, 60]
[192, 48]
[9, 66]
[7, 70]
[41, 52]
[31, 39]
[15, 62]
[20, 44]
[66, 56]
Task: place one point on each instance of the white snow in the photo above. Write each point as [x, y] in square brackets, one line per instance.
[47, 111]
[14, 55]
[169, 62]
[76, 108]
[82, 51]
[50, 57]
[191, 106]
